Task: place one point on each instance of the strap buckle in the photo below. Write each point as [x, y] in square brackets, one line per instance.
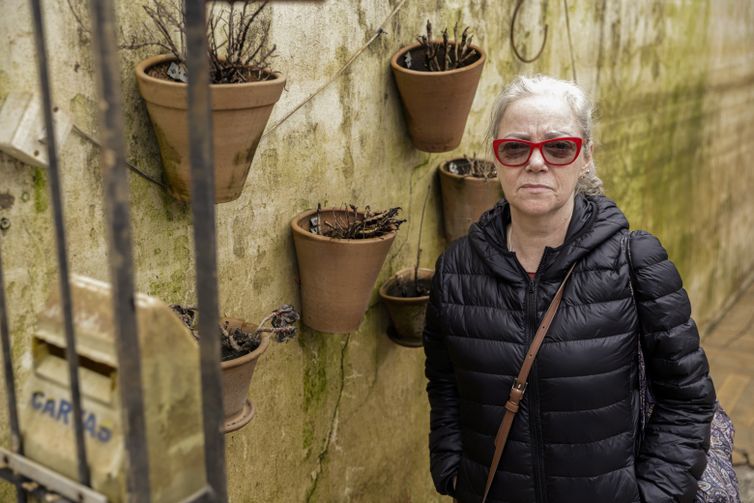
[519, 386]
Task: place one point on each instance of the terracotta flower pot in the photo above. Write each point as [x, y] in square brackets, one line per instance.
[464, 199]
[406, 313]
[337, 275]
[239, 116]
[436, 104]
[236, 378]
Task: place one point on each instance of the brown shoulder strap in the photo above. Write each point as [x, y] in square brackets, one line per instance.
[519, 384]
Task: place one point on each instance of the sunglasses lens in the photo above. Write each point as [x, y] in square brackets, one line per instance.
[560, 151]
[513, 153]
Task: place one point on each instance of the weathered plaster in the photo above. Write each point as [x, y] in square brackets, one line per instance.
[344, 417]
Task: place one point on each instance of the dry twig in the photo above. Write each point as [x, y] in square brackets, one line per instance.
[455, 54]
[417, 288]
[472, 166]
[237, 342]
[240, 55]
[350, 223]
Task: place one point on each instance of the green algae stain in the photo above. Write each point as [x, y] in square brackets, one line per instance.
[84, 111]
[652, 148]
[308, 438]
[346, 127]
[315, 369]
[39, 179]
[244, 157]
[316, 360]
[240, 238]
[5, 84]
[172, 289]
[181, 249]
[171, 158]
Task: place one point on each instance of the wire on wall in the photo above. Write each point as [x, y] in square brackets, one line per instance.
[570, 41]
[380, 31]
[131, 166]
[513, 37]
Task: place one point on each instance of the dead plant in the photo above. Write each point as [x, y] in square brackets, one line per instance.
[472, 166]
[443, 55]
[350, 223]
[237, 40]
[237, 342]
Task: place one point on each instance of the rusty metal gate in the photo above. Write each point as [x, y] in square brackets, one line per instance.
[28, 476]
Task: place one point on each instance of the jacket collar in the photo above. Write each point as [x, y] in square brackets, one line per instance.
[595, 219]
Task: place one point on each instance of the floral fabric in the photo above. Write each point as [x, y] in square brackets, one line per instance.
[719, 483]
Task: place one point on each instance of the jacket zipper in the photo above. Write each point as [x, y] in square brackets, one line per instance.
[535, 427]
[533, 389]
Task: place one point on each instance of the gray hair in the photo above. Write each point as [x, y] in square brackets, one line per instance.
[537, 85]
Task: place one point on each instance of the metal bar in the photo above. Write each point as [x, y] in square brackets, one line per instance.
[60, 241]
[10, 383]
[203, 210]
[49, 479]
[120, 256]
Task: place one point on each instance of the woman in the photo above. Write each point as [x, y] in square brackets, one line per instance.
[576, 436]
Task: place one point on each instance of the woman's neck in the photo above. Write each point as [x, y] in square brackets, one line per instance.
[528, 235]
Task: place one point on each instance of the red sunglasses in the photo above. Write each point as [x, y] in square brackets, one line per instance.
[513, 152]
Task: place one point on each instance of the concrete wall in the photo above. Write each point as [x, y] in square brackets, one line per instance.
[344, 417]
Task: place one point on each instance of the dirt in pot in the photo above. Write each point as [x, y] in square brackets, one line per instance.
[176, 72]
[237, 342]
[471, 166]
[350, 223]
[408, 288]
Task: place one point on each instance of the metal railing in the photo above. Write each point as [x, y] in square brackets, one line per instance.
[28, 476]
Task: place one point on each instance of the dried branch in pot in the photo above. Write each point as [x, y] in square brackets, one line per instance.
[442, 55]
[350, 223]
[282, 323]
[236, 342]
[238, 47]
[472, 166]
[188, 316]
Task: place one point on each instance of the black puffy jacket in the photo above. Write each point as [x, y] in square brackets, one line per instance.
[576, 437]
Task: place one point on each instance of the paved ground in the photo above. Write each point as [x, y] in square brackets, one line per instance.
[730, 349]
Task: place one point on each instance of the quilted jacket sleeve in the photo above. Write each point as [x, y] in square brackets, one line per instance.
[672, 457]
[444, 426]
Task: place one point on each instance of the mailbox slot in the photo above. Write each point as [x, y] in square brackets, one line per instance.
[97, 378]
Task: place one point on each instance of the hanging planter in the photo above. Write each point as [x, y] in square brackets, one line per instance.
[337, 274]
[469, 187]
[405, 296]
[236, 374]
[242, 345]
[243, 92]
[239, 116]
[437, 81]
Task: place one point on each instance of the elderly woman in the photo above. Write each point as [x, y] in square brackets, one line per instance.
[576, 437]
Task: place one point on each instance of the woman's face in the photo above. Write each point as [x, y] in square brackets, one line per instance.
[537, 188]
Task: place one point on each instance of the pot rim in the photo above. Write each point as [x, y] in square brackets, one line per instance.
[235, 362]
[298, 229]
[396, 67]
[404, 300]
[466, 178]
[144, 64]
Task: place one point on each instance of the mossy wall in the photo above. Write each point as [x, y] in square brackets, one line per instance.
[345, 417]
